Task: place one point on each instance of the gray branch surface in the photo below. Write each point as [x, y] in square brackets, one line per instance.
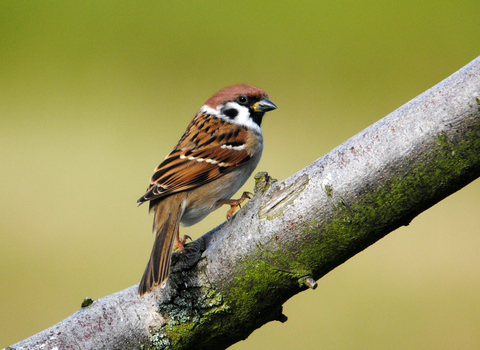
[236, 277]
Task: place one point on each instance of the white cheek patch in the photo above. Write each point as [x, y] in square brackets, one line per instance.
[208, 110]
[242, 118]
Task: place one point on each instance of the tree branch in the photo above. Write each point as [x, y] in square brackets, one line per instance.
[236, 277]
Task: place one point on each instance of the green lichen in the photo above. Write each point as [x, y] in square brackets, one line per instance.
[357, 224]
[255, 294]
[262, 182]
[159, 340]
[188, 314]
[328, 189]
[87, 302]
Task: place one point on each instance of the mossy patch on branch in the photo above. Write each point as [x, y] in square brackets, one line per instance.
[275, 272]
[356, 222]
[190, 311]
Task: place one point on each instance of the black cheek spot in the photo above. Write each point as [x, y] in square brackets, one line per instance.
[231, 113]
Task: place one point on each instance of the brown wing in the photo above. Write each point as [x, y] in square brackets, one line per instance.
[209, 148]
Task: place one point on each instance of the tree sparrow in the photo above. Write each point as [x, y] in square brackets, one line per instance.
[215, 156]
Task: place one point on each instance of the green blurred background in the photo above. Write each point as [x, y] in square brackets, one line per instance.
[94, 94]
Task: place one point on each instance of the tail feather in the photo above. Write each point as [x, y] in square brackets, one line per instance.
[165, 226]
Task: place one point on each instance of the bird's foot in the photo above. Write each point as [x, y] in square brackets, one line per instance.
[234, 203]
[179, 244]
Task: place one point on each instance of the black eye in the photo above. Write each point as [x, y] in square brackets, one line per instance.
[242, 99]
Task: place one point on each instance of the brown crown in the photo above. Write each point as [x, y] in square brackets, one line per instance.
[230, 93]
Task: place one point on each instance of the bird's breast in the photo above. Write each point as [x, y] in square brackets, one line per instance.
[202, 200]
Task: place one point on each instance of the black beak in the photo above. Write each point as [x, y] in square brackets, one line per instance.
[264, 106]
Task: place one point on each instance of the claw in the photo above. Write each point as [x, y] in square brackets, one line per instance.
[179, 244]
[234, 203]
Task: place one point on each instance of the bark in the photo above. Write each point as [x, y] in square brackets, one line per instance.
[236, 277]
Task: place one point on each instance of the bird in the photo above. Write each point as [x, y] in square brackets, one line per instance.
[218, 152]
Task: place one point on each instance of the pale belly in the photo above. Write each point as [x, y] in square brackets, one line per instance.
[203, 200]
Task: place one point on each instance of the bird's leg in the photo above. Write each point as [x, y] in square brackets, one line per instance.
[178, 245]
[234, 203]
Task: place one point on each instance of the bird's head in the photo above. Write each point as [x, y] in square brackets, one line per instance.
[241, 104]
